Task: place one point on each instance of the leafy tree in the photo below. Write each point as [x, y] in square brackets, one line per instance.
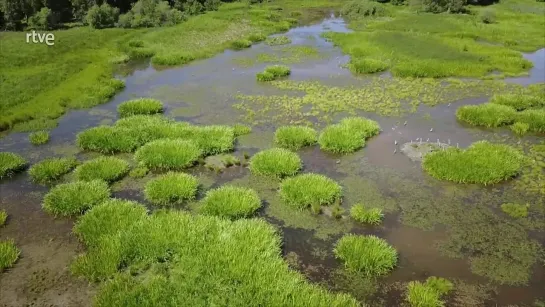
[150, 13]
[45, 19]
[103, 16]
[13, 13]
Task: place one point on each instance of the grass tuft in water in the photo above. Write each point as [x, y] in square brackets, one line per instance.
[367, 66]
[515, 210]
[51, 170]
[275, 162]
[482, 162]
[141, 106]
[107, 140]
[535, 119]
[518, 102]
[366, 127]
[368, 255]
[372, 216]
[240, 44]
[349, 135]
[278, 40]
[486, 115]
[230, 202]
[295, 137]
[75, 197]
[257, 37]
[3, 217]
[171, 189]
[428, 294]
[9, 253]
[520, 128]
[138, 172]
[11, 163]
[240, 129]
[273, 72]
[108, 169]
[310, 190]
[168, 154]
[39, 137]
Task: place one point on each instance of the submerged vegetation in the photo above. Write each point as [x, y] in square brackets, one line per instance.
[75, 197]
[295, 137]
[230, 202]
[368, 255]
[141, 106]
[39, 137]
[482, 162]
[278, 40]
[310, 190]
[171, 189]
[515, 210]
[108, 169]
[275, 162]
[11, 163]
[51, 170]
[9, 253]
[429, 293]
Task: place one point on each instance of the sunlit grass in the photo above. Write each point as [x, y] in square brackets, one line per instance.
[515, 210]
[487, 115]
[535, 119]
[428, 294]
[39, 137]
[11, 163]
[106, 139]
[340, 139]
[51, 170]
[310, 190]
[276, 162]
[257, 37]
[368, 255]
[171, 188]
[230, 202]
[240, 44]
[75, 197]
[168, 154]
[372, 216]
[518, 102]
[366, 127]
[9, 253]
[520, 128]
[140, 106]
[295, 137]
[108, 169]
[482, 162]
[278, 40]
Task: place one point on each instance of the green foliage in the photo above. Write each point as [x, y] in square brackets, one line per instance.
[151, 13]
[275, 162]
[347, 136]
[295, 137]
[11, 163]
[487, 115]
[368, 255]
[240, 44]
[367, 66]
[278, 40]
[519, 102]
[51, 170]
[265, 76]
[273, 72]
[520, 128]
[534, 118]
[482, 162]
[435, 6]
[9, 254]
[364, 215]
[102, 16]
[75, 197]
[138, 172]
[363, 8]
[108, 169]
[168, 154]
[515, 210]
[362, 126]
[231, 202]
[160, 259]
[108, 140]
[487, 16]
[141, 106]
[240, 129]
[3, 217]
[39, 137]
[428, 294]
[257, 37]
[310, 190]
[44, 19]
[171, 188]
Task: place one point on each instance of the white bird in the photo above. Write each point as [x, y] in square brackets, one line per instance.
[395, 142]
[405, 123]
[233, 69]
[457, 145]
[449, 141]
[395, 150]
[448, 104]
[428, 140]
[411, 141]
[431, 130]
[437, 141]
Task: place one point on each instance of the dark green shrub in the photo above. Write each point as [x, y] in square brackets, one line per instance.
[103, 16]
[362, 8]
[150, 13]
[45, 19]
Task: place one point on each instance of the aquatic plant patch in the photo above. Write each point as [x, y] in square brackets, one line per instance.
[240, 44]
[278, 40]
[140, 106]
[51, 170]
[535, 119]
[257, 37]
[139, 172]
[108, 169]
[515, 210]
[519, 101]
[168, 154]
[482, 162]
[39, 137]
[429, 293]
[273, 72]
[11, 163]
[487, 115]
[230, 202]
[235, 255]
[240, 129]
[520, 128]
[372, 216]
[171, 188]
[367, 66]
[295, 137]
[9, 253]
[368, 255]
[341, 138]
[366, 127]
[107, 140]
[75, 197]
[3, 217]
[310, 190]
[275, 162]
[220, 162]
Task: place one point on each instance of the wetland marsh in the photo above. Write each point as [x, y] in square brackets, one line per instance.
[322, 185]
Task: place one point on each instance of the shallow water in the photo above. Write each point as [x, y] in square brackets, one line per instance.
[421, 212]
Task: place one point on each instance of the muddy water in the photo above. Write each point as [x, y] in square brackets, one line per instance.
[421, 212]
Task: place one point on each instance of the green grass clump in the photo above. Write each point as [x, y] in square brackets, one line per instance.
[39, 137]
[366, 127]
[3, 217]
[482, 162]
[520, 128]
[160, 259]
[340, 139]
[75, 197]
[278, 40]
[138, 172]
[515, 210]
[367, 66]
[9, 253]
[240, 44]
[52, 169]
[369, 255]
[265, 76]
[273, 72]
[168, 154]
[240, 129]
[107, 140]
[487, 115]
[231, 202]
[213, 139]
[108, 169]
[428, 294]
[141, 106]
[11, 163]
[257, 37]
[310, 190]
[295, 137]
[371, 216]
[534, 118]
[171, 188]
[518, 102]
[275, 162]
